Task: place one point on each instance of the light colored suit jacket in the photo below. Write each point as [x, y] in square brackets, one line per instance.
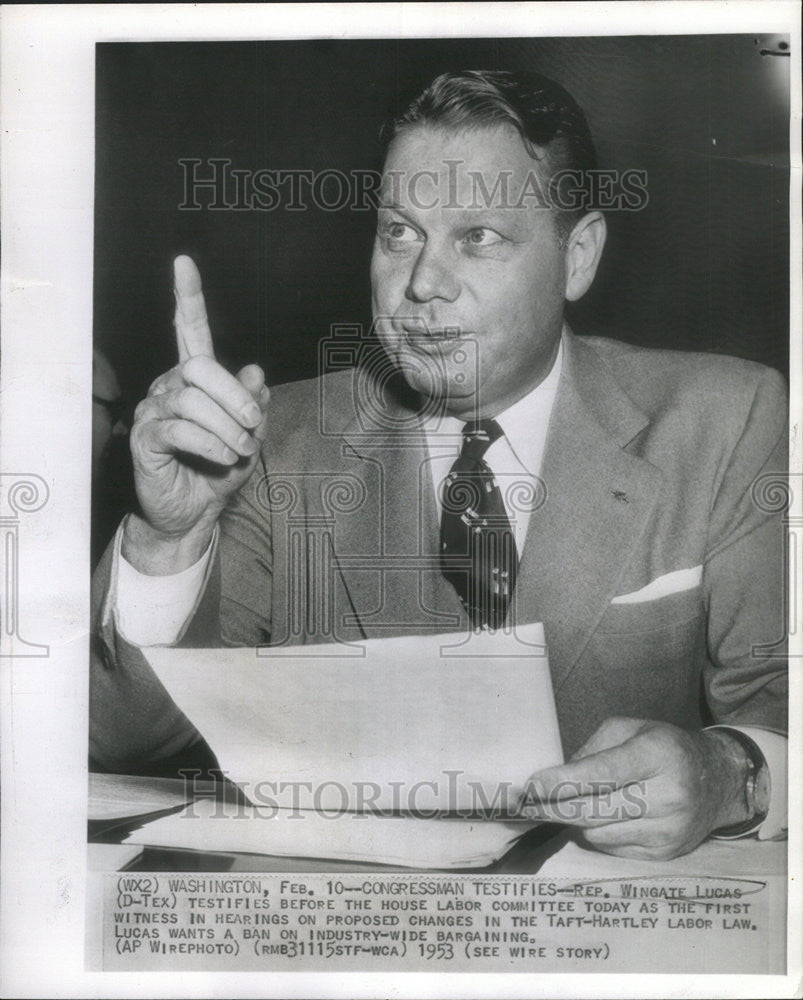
[654, 557]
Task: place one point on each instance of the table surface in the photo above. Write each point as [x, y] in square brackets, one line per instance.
[547, 850]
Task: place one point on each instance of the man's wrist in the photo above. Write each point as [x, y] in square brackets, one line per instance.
[730, 773]
[155, 554]
[766, 811]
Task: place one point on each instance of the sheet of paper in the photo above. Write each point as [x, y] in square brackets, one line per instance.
[392, 840]
[111, 857]
[414, 723]
[115, 796]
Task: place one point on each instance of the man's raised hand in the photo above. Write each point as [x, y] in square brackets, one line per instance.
[195, 441]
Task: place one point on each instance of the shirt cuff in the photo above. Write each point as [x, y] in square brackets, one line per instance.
[774, 747]
[153, 610]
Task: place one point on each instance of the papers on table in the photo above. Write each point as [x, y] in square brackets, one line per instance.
[111, 857]
[444, 724]
[435, 722]
[118, 796]
[389, 840]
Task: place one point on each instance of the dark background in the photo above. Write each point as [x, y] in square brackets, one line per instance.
[704, 266]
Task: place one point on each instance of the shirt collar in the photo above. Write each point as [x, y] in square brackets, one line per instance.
[517, 421]
[531, 411]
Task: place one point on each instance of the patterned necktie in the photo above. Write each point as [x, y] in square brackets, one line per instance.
[478, 548]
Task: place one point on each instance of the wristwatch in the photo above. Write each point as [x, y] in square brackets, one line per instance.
[756, 787]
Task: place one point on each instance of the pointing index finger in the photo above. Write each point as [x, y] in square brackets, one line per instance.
[193, 335]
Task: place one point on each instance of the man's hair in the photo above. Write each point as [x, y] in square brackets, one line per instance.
[551, 123]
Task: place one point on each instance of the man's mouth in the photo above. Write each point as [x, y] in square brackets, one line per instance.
[420, 334]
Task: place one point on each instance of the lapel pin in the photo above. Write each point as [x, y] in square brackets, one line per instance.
[620, 495]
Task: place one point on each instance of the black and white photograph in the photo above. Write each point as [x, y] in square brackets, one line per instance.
[433, 573]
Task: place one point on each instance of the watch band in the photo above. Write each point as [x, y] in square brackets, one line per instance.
[755, 763]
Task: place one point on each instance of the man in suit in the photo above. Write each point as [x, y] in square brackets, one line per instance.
[614, 501]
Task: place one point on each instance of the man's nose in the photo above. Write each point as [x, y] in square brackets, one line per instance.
[433, 277]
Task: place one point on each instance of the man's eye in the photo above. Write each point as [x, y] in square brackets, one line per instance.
[400, 232]
[482, 237]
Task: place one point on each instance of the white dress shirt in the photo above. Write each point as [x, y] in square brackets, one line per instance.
[515, 458]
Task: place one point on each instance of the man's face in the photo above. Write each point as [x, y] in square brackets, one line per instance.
[468, 286]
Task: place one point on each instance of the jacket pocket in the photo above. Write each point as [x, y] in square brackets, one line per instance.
[652, 616]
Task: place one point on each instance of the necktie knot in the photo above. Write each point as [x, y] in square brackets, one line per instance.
[478, 436]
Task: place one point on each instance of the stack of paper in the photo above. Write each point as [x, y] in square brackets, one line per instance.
[387, 840]
[437, 724]
[118, 796]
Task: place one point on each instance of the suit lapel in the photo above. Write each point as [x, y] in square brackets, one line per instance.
[396, 532]
[598, 498]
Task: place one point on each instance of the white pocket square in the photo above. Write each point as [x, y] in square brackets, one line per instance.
[661, 586]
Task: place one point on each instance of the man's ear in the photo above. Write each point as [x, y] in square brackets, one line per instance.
[583, 252]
